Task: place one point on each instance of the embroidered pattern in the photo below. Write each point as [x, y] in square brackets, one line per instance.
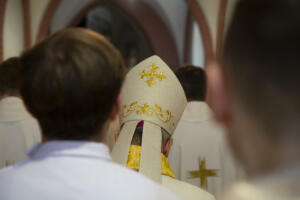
[152, 75]
[203, 173]
[133, 161]
[146, 109]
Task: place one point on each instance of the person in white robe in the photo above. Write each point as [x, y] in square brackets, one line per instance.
[254, 93]
[71, 84]
[203, 158]
[153, 102]
[19, 131]
[280, 184]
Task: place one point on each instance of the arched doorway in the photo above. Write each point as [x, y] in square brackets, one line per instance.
[145, 19]
[120, 30]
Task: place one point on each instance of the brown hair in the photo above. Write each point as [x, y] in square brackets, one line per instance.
[193, 81]
[70, 83]
[9, 77]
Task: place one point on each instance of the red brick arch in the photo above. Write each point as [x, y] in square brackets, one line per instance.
[46, 20]
[198, 14]
[221, 26]
[2, 15]
[26, 23]
[149, 22]
[193, 5]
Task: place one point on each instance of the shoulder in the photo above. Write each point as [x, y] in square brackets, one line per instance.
[5, 170]
[246, 191]
[131, 184]
[11, 170]
[10, 176]
[101, 179]
[186, 190]
[140, 185]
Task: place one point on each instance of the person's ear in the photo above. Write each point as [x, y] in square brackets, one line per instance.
[217, 97]
[168, 147]
[116, 108]
[116, 136]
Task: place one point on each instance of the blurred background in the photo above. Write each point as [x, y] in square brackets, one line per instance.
[180, 31]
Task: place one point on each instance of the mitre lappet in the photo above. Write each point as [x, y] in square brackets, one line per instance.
[153, 94]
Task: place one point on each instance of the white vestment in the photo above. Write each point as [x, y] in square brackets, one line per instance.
[202, 142]
[69, 170]
[282, 184]
[185, 190]
[19, 131]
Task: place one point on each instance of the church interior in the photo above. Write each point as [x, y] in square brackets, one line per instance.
[179, 31]
[149, 99]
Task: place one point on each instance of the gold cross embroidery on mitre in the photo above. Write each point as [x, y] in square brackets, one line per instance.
[152, 75]
[203, 173]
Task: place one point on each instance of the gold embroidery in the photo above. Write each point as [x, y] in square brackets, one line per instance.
[152, 75]
[133, 161]
[203, 173]
[145, 109]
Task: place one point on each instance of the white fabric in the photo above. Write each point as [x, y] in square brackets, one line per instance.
[185, 190]
[19, 131]
[198, 136]
[147, 90]
[119, 153]
[282, 184]
[72, 170]
[161, 103]
[150, 163]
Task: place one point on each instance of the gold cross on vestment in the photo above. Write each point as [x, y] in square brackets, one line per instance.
[203, 173]
[152, 75]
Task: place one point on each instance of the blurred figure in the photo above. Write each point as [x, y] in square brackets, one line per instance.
[255, 94]
[153, 102]
[203, 158]
[19, 131]
[71, 84]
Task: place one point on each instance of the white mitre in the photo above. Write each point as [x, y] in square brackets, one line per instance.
[152, 93]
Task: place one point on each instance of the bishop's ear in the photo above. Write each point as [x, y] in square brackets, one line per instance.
[218, 94]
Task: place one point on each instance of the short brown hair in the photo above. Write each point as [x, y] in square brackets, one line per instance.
[193, 81]
[70, 83]
[9, 77]
[261, 60]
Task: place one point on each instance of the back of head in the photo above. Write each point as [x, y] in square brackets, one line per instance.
[138, 135]
[70, 83]
[261, 61]
[193, 81]
[9, 77]
[147, 91]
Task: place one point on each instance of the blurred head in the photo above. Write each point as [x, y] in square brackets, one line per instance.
[166, 142]
[71, 84]
[255, 93]
[193, 81]
[9, 77]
